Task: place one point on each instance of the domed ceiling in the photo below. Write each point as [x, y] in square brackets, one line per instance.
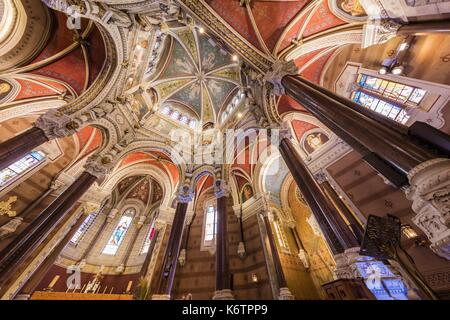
[199, 75]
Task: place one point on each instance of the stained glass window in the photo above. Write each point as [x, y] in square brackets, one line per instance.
[83, 229]
[380, 106]
[210, 224]
[396, 91]
[176, 115]
[148, 239]
[21, 166]
[119, 233]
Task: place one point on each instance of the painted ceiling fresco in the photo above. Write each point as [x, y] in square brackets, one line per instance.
[198, 74]
[273, 180]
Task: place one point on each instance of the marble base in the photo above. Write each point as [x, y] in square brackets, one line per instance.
[285, 294]
[225, 294]
[161, 297]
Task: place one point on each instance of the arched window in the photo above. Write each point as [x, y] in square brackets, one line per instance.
[178, 116]
[209, 227]
[87, 223]
[279, 232]
[148, 239]
[119, 232]
[20, 168]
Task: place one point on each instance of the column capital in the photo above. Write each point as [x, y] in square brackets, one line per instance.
[98, 166]
[185, 194]
[378, 31]
[278, 70]
[430, 192]
[56, 124]
[221, 189]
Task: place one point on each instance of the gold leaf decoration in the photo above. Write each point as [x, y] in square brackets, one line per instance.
[6, 206]
[227, 73]
[208, 115]
[186, 36]
[166, 89]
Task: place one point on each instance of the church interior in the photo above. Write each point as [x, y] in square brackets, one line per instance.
[224, 150]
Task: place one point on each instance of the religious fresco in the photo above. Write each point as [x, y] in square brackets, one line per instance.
[219, 91]
[314, 141]
[140, 192]
[125, 183]
[199, 74]
[190, 95]
[181, 64]
[247, 192]
[157, 192]
[211, 57]
[352, 7]
[273, 180]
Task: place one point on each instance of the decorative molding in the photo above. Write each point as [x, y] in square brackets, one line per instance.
[430, 192]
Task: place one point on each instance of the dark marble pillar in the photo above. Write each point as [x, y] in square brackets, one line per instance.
[17, 147]
[44, 268]
[170, 259]
[23, 246]
[354, 224]
[343, 116]
[338, 236]
[222, 267]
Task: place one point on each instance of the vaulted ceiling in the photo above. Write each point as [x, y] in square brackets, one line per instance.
[198, 75]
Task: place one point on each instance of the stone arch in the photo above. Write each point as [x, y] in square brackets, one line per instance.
[141, 169]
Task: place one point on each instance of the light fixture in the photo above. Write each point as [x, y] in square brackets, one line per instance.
[383, 70]
[201, 30]
[255, 279]
[398, 70]
[409, 232]
[403, 46]
[235, 58]
[239, 115]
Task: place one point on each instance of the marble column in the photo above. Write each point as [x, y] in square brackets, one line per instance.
[17, 147]
[338, 236]
[23, 246]
[345, 119]
[148, 257]
[425, 28]
[223, 279]
[353, 223]
[31, 285]
[170, 260]
[409, 152]
[284, 292]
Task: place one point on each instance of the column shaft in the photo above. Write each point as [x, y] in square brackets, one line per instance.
[44, 268]
[276, 257]
[15, 148]
[148, 257]
[343, 117]
[354, 224]
[336, 232]
[170, 260]
[424, 28]
[13, 255]
[222, 267]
